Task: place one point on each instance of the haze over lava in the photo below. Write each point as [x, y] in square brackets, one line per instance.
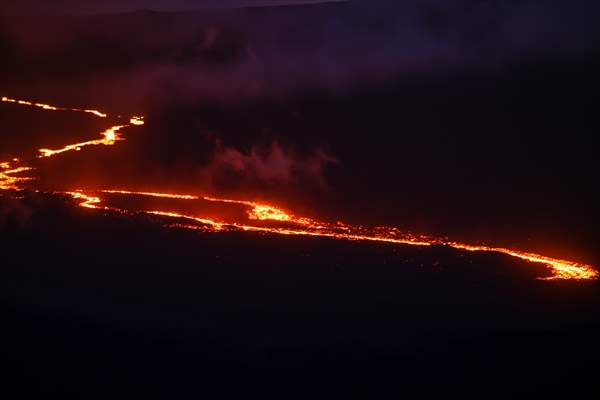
[13, 178]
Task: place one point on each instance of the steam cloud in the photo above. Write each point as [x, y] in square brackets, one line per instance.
[156, 61]
[270, 165]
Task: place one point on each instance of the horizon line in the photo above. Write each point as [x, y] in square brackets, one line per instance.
[211, 6]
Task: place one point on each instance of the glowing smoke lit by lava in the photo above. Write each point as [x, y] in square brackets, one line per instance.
[11, 178]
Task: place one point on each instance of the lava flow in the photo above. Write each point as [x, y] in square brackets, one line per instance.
[561, 269]
[259, 217]
[8, 180]
[110, 137]
[52, 108]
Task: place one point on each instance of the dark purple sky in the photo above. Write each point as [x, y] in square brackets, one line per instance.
[54, 7]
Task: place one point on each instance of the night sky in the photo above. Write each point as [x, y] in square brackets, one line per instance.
[61, 7]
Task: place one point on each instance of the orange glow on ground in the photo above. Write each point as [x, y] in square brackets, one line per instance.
[287, 222]
[7, 179]
[88, 201]
[561, 269]
[52, 108]
[136, 121]
[110, 137]
[162, 195]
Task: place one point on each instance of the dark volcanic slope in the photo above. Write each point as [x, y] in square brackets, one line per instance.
[92, 304]
[469, 120]
[464, 120]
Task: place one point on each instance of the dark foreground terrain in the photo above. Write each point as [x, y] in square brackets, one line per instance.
[106, 306]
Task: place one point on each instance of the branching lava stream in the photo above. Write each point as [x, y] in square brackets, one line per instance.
[259, 217]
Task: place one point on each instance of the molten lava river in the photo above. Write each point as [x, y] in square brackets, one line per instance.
[172, 209]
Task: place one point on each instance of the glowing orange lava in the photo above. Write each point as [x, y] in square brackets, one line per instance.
[561, 269]
[110, 137]
[136, 121]
[88, 201]
[7, 179]
[259, 211]
[52, 108]
[265, 212]
[285, 223]
[163, 195]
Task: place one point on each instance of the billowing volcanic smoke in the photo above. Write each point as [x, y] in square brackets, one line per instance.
[173, 210]
[271, 164]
